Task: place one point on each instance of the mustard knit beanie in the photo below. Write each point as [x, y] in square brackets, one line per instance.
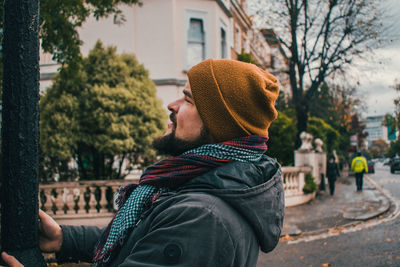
[234, 99]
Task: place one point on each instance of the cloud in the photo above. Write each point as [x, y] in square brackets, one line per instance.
[380, 101]
[377, 78]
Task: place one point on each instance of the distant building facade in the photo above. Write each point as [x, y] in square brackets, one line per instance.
[170, 36]
[376, 130]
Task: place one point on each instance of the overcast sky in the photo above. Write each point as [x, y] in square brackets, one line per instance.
[379, 74]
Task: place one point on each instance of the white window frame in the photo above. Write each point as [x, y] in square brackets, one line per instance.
[224, 26]
[238, 40]
[189, 14]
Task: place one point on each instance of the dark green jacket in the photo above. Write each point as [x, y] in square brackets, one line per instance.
[221, 218]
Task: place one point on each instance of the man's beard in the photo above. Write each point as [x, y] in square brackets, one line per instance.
[170, 145]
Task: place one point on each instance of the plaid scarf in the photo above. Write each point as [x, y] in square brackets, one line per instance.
[169, 174]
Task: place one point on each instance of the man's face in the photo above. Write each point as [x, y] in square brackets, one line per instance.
[185, 129]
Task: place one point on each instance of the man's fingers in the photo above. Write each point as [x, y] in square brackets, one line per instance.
[43, 215]
[10, 260]
[45, 221]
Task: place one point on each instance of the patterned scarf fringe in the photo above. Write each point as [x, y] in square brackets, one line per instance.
[168, 174]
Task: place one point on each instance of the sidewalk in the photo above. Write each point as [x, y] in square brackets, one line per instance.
[346, 206]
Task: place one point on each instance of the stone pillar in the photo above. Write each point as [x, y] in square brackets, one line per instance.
[307, 156]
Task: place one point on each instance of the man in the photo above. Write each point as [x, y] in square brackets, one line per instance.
[332, 172]
[216, 202]
[359, 166]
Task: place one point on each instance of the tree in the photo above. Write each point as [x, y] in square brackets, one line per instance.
[379, 148]
[358, 128]
[104, 110]
[282, 135]
[393, 122]
[60, 20]
[245, 57]
[394, 149]
[322, 130]
[335, 105]
[319, 38]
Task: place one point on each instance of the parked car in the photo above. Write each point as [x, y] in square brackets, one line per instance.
[395, 165]
[387, 162]
[371, 166]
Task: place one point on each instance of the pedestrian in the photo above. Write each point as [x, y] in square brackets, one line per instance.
[359, 166]
[215, 202]
[332, 172]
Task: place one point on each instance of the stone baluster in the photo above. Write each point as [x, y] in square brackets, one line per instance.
[87, 195]
[43, 199]
[97, 197]
[109, 196]
[54, 200]
[82, 202]
[103, 200]
[65, 195]
[49, 204]
[76, 197]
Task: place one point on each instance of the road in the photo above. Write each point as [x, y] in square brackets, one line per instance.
[375, 243]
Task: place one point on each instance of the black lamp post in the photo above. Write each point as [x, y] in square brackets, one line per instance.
[20, 132]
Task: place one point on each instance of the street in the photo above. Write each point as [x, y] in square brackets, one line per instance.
[373, 243]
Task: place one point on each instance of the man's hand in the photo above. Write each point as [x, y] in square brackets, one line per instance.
[10, 260]
[50, 234]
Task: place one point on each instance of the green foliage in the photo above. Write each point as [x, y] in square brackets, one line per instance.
[335, 106]
[394, 149]
[98, 111]
[245, 57]
[282, 135]
[310, 186]
[60, 20]
[322, 130]
[393, 121]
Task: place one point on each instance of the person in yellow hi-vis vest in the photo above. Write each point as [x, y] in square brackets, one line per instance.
[359, 166]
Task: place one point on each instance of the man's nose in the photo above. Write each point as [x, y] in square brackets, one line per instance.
[173, 106]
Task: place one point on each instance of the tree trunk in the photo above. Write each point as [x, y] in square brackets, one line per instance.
[81, 168]
[120, 165]
[302, 118]
[20, 132]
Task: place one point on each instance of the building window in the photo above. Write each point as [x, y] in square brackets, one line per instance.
[237, 40]
[223, 43]
[196, 42]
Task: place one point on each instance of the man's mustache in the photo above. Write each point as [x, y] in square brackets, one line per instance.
[172, 118]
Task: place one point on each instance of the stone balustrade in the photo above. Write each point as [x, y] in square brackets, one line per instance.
[84, 198]
[293, 183]
[92, 198]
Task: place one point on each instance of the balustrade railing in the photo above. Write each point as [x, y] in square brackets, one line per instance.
[293, 183]
[80, 198]
[90, 197]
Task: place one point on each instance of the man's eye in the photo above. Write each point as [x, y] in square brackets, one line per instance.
[187, 100]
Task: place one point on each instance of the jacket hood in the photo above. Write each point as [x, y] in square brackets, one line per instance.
[254, 190]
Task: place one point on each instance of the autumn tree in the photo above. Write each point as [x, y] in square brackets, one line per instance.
[358, 128]
[336, 105]
[99, 113]
[378, 148]
[319, 38]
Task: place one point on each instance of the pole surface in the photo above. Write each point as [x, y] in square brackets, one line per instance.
[20, 132]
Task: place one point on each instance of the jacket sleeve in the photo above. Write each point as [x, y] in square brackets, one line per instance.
[183, 236]
[352, 164]
[78, 243]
